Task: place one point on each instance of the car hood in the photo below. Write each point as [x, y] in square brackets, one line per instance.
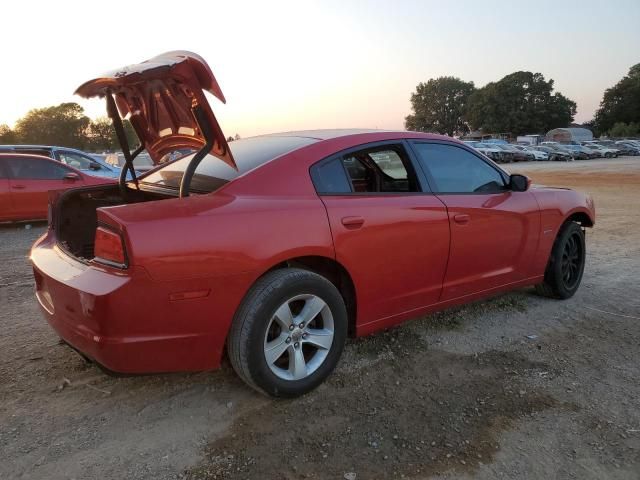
[159, 96]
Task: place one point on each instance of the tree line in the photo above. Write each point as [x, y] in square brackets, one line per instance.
[519, 103]
[65, 125]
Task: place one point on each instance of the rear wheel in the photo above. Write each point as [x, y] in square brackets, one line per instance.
[566, 263]
[289, 332]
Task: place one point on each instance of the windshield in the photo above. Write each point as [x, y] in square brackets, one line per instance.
[212, 173]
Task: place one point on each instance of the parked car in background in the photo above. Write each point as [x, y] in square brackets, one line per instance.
[517, 154]
[537, 153]
[142, 163]
[86, 163]
[25, 182]
[603, 151]
[632, 148]
[591, 153]
[493, 151]
[503, 156]
[274, 248]
[625, 148]
[555, 155]
[488, 150]
[577, 151]
[622, 149]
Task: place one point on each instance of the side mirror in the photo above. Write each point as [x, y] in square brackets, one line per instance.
[519, 183]
[71, 176]
[94, 166]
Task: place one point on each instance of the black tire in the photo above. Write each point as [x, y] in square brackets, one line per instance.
[245, 342]
[566, 263]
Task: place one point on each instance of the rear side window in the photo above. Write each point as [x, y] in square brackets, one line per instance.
[34, 169]
[212, 172]
[456, 170]
[330, 177]
[380, 169]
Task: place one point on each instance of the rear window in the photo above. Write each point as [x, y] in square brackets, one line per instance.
[212, 172]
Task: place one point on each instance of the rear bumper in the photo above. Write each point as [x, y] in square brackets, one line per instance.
[126, 321]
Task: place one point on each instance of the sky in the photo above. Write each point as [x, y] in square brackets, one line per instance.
[290, 65]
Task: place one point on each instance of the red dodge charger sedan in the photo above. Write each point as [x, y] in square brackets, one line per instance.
[279, 246]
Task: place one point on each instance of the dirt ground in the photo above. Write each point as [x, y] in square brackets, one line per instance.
[515, 387]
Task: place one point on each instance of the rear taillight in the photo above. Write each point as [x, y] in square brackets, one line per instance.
[109, 248]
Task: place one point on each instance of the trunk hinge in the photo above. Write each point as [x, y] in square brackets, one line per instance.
[207, 132]
[112, 111]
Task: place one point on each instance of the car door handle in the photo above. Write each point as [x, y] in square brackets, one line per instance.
[462, 218]
[352, 222]
[18, 187]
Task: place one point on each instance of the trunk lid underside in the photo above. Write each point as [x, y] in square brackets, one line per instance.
[161, 96]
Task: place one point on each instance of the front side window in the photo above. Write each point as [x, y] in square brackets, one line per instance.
[76, 160]
[381, 169]
[456, 170]
[34, 169]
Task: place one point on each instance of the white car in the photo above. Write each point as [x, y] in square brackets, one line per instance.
[537, 154]
[603, 151]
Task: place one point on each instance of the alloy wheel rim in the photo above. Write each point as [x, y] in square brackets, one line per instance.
[299, 337]
[571, 261]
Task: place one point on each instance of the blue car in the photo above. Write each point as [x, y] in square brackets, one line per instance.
[89, 164]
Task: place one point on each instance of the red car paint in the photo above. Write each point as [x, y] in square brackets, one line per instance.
[192, 260]
[27, 198]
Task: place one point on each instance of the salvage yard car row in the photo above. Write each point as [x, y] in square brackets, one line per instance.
[503, 152]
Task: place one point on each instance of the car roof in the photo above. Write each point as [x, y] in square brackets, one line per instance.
[29, 155]
[27, 146]
[331, 133]
[43, 147]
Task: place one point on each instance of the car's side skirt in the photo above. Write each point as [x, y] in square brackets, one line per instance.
[382, 323]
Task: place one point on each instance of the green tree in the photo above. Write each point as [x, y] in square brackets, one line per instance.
[7, 136]
[64, 124]
[621, 103]
[522, 102]
[102, 135]
[439, 106]
[621, 129]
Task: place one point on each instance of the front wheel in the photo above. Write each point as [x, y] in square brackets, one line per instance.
[288, 334]
[566, 263]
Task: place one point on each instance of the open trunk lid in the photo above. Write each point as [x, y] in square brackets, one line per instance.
[164, 99]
